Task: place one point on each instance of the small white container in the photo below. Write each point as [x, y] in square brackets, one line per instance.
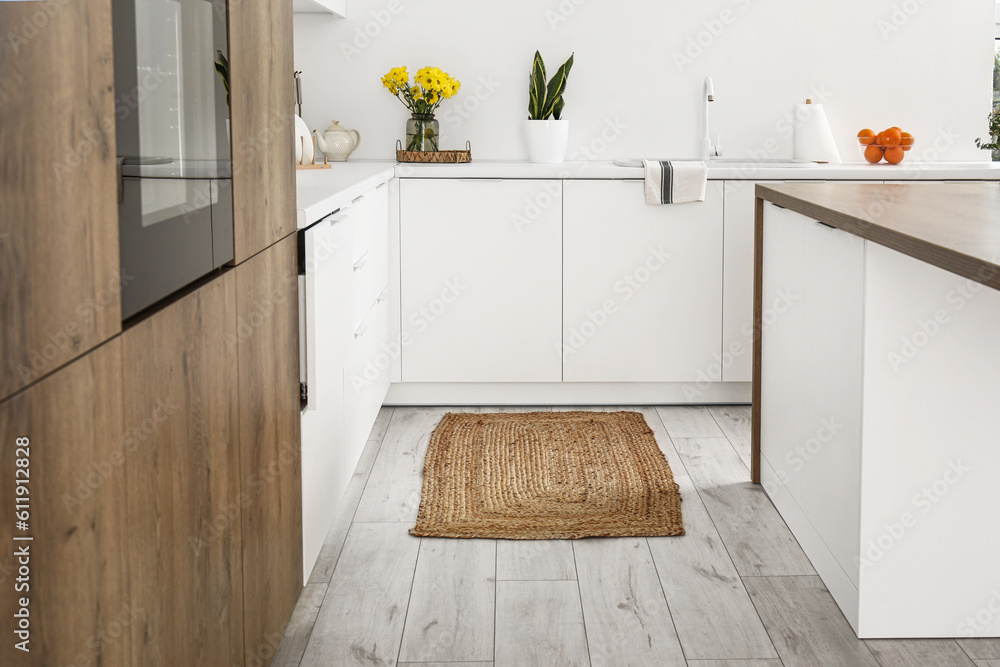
[546, 140]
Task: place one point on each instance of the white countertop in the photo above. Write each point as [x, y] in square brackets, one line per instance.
[322, 191]
[933, 171]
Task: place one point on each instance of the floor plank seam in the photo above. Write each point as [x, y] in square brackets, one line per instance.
[663, 591]
[409, 597]
[583, 612]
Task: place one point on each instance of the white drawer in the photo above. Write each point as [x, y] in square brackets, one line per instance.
[366, 377]
[370, 270]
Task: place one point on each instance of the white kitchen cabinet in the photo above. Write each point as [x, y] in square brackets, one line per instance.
[813, 309]
[642, 285]
[878, 390]
[737, 281]
[481, 280]
[346, 335]
[737, 297]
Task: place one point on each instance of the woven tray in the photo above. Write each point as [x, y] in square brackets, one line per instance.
[440, 157]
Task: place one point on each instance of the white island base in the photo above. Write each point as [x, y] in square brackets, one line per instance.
[879, 429]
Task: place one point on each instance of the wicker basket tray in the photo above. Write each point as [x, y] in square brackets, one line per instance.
[440, 157]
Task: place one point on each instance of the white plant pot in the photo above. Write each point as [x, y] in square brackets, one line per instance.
[546, 140]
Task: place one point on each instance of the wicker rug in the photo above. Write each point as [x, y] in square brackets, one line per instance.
[547, 475]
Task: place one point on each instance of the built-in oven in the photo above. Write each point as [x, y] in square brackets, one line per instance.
[175, 212]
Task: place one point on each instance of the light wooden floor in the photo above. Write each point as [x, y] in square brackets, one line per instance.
[735, 591]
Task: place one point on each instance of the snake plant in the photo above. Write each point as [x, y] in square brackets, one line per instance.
[546, 100]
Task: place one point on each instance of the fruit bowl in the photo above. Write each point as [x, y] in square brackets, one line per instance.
[889, 146]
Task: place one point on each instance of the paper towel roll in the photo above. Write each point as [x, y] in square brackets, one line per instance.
[813, 137]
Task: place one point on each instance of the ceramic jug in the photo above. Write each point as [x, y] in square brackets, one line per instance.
[337, 143]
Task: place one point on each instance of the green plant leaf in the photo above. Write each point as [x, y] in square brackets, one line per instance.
[556, 87]
[557, 108]
[536, 102]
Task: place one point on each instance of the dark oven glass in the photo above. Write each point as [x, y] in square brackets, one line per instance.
[172, 115]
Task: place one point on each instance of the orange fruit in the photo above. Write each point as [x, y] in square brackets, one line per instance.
[866, 137]
[894, 155]
[879, 138]
[906, 140]
[873, 154]
[897, 128]
[891, 137]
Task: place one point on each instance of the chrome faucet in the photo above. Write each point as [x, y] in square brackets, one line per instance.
[708, 150]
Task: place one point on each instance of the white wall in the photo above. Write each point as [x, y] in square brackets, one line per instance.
[925, 65]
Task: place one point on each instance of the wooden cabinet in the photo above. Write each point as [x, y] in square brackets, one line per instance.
[182, 399]
[214, 509]
[60, 279]
[78, 571]
[267, 356]
[481, 285]
[642, 285]
[261, 67]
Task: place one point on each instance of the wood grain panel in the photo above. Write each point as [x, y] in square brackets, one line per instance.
[267, 344]
[78, 588]
[539, 623]
[805, 623]
[59, 269]
[260, 63]
[954, 226]
[712, 612]
[183, 481]
[361, 620]
[624, 606]
[754, 533]
[451, 613]
[758, 341]
[919, 652]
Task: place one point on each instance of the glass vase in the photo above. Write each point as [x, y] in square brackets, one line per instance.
[422, 132]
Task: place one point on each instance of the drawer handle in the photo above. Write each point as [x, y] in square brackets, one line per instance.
[360, 264]
[360, 331]
[383, 296]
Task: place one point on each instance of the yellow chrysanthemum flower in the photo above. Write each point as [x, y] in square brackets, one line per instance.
[431, 85]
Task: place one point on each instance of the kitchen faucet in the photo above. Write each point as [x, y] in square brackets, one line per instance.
[708, 150]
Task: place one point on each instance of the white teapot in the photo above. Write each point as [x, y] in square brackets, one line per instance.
[338, 143]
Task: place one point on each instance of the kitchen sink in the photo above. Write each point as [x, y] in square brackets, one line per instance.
[733, 163]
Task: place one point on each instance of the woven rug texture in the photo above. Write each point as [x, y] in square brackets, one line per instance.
[547, 475]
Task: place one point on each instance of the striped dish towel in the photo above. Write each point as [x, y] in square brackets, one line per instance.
[675, 182]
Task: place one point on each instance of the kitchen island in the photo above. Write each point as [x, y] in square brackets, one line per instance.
[877, 354]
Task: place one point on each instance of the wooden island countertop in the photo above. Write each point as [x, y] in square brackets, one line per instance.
[954, 226]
